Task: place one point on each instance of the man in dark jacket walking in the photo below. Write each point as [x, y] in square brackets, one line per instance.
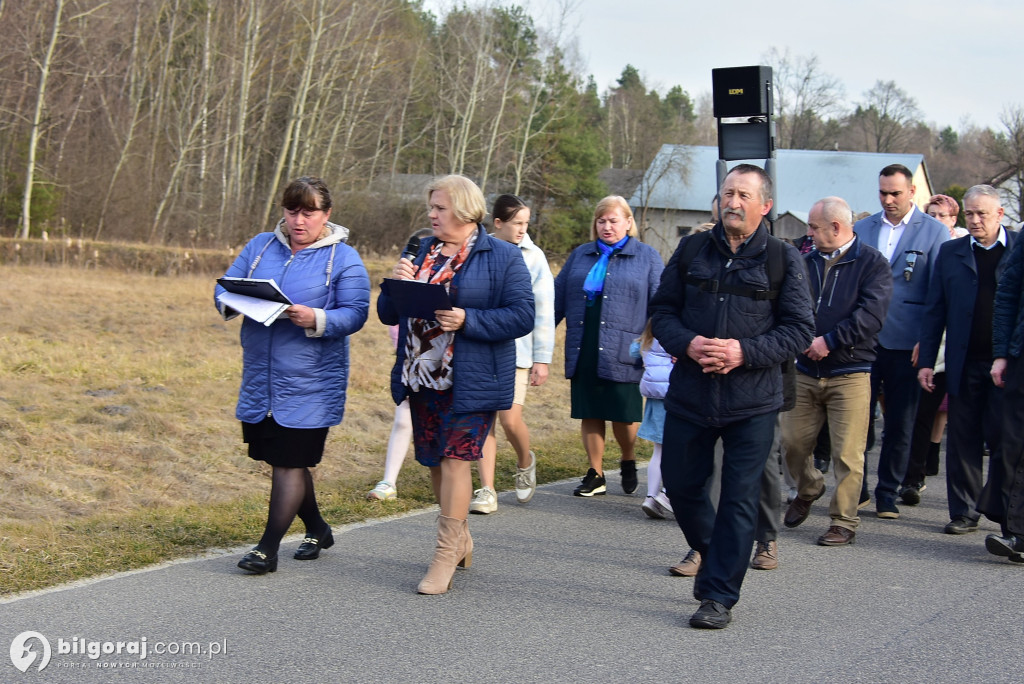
[851, 287]
[720, 315]
[960, 303]
[1006, 504]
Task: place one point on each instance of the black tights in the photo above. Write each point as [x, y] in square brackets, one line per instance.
[291, 494]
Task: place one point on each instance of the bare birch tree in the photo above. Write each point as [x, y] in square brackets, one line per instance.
[36, 131]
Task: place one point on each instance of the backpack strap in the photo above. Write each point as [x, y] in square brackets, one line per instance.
[776, 268]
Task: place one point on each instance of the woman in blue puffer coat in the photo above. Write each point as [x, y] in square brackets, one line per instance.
[602, 293]
[295, 370]
[458, 368]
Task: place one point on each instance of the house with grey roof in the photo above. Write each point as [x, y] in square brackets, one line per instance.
[676, 191]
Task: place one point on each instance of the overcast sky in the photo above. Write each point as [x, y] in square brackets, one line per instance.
[961, 60]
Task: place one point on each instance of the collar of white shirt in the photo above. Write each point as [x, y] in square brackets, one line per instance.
[999, 240]
[902, 222]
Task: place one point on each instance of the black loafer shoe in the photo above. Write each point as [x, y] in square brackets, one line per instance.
[1011, 547]
[960, 525]
[310, 547]
[711, 615]
[257, 562]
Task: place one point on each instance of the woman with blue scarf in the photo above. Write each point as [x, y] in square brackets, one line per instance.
[602, 293]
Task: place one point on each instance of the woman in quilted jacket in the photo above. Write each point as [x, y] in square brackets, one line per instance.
[295, 370]
[458, 366]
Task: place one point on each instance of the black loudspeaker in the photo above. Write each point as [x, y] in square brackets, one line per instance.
[741, 91]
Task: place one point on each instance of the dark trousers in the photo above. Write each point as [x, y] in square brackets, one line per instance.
[975, 419]
[921, 438]
[769, 506]
[1003, 498]
[893, 375]
[687, 463]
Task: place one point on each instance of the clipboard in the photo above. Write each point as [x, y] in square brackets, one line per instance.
[258, 288]
[415, 299]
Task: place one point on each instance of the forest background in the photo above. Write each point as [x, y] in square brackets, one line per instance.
[177, 122]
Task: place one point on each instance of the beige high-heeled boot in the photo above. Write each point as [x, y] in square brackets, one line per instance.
[465, 551]
[454, 547]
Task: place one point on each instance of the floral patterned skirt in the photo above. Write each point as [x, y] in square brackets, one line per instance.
[439, 432]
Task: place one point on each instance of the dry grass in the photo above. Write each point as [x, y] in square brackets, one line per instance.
[118, 442]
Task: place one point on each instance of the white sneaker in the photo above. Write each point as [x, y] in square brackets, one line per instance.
[526, 480]
[383, 491]
[485, 500]
[662, 498]
[653, 508]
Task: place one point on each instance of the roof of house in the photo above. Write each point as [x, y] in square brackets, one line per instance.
[802, 178]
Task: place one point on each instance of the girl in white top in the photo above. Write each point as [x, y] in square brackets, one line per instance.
[511, 219]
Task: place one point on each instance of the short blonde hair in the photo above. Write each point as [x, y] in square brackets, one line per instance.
[608, 204]
[468, 204]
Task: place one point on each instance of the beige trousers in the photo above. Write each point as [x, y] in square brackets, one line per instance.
[845, 400]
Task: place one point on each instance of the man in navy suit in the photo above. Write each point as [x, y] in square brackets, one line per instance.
[910, 240]
[961, 303]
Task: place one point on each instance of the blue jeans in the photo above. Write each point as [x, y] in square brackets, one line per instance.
[687, 462]
[893, 375]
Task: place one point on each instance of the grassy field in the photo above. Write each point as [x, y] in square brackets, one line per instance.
[118, 442]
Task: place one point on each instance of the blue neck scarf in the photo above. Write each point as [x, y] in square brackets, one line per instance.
[594, 283]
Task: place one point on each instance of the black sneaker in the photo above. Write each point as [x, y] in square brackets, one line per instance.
[886, 510]
[911, 494]
[592, 484]
[628, 471]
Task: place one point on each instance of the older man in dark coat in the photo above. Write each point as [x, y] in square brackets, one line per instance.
[714, 312]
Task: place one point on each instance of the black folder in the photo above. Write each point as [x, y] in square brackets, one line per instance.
[416, 299]
[258, 288]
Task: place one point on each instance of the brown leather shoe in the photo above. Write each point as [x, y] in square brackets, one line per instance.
[799, 509]
[766, 556]
[687, 567]
[837, 536]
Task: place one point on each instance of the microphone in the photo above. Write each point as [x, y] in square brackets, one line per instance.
[412, 248]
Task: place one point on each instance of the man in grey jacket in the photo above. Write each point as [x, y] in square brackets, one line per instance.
[714, 311]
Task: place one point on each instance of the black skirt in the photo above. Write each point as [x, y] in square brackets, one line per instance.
[284, 447]
[594, 398]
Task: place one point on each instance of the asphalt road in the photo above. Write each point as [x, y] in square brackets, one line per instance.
[562, 589]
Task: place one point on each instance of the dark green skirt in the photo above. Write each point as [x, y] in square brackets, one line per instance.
[593, 397]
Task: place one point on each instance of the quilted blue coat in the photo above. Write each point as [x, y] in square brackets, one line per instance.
[632, 278]
[494, 287]
[299, 378]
